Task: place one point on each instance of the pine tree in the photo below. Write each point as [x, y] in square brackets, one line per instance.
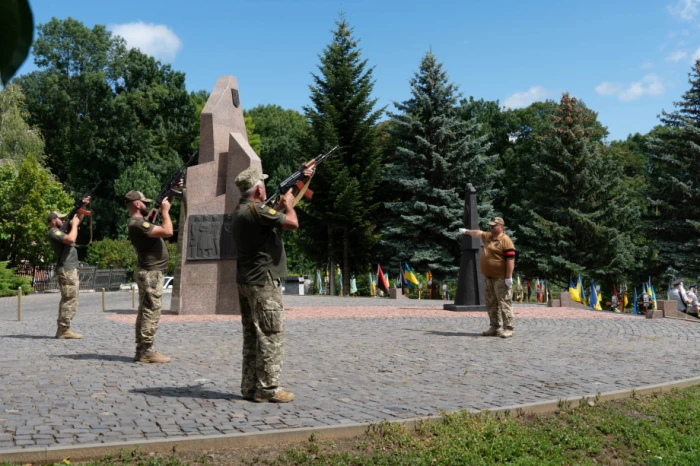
[574, 214]
[674, 184]
[436, 154]
[341, 217]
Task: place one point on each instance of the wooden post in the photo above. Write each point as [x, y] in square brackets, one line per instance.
[19, 304]
[103, 300]
[133, 297]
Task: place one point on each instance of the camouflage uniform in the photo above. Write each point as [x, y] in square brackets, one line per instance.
[499, 300]
[498, 295]
[261, 265]
[150, 283]
[262, 315]
[67, 275]
[152, 260]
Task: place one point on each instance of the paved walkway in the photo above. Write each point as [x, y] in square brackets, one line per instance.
[348, 360]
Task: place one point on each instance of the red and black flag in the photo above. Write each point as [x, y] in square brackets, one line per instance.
[382, 284]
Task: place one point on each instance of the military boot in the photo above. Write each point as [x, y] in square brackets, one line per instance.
[153, 356]
[507, 333]
[279, 397]
[492, 332]
[68, 335]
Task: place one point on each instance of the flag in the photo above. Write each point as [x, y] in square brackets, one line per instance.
[574, 293]
[634, 310]
[340, 281]
[319, 284]
[429, 277]
[382, 283]
[582, 291]
[353, 285]
[653, 297]
[625, 301]
[410, 277]
[372, 286]
[594, 303]
[402, 280]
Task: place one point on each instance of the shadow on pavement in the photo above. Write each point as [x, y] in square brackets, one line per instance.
[192, 391]
[446, 334]
[94, 356]
[29, 337]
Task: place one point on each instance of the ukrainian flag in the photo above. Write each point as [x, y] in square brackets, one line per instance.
[372, 285]
[410, 277]
[574, 291]
[595, 302]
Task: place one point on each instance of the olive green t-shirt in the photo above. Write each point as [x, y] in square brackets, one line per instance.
[152, 253]
[66, 254]
[495, 254]
[257, 236]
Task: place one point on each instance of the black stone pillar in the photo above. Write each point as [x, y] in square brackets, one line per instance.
[470, 285]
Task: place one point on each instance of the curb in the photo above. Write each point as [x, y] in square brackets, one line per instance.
[289, 436]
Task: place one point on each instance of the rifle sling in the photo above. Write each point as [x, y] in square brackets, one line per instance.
[301, 192]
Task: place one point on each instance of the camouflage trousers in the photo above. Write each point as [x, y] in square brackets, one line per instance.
[262, 316]
[499, 303]
[69, 284]
[150, 284]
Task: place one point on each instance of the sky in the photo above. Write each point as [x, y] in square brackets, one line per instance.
[627, 60]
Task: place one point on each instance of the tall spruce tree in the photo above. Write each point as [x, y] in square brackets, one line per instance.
[674, 183]
[340, 222]
[436, 154]
[574, 213]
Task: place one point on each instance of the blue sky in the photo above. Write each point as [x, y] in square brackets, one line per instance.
[626, 59]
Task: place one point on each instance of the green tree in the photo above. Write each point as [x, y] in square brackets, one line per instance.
[437, 154]
[253, 137]
[574, 214]
[282, 135]
[29, 193]
[101, 108]
[17, 138]
[342, 217]
[9, 282]
[674, 183]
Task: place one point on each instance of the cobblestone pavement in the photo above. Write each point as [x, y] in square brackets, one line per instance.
[57, 392]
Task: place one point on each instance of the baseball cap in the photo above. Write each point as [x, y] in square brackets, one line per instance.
[52, 215]
[496, 221]
[136, 196]
[248, 177]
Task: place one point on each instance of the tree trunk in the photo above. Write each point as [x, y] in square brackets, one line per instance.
[331, 264]
[346, 262]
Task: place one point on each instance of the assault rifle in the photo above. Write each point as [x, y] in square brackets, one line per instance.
[298, 179]
[168, 191]
[78, 209]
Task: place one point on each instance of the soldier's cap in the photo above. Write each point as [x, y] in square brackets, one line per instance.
[52, 215]
[136, 196]
[694, 285]
[676, 283]
[248, 177]
[497, 221]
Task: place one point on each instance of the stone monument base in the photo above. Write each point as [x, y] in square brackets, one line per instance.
[395, 293]
[460, 308]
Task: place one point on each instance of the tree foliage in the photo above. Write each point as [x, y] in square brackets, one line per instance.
[437, 153]
[573, 214]
[101, 108]
[339, 226]
[29, 193]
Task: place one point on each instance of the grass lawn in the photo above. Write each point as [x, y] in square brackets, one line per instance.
[655, 430]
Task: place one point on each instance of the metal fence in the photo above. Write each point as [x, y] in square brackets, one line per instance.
[91, 278]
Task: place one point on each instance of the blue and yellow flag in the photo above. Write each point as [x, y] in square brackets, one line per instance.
[410, 277]
[634, 309]
[595, 302]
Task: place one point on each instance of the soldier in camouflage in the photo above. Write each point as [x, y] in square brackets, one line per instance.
[147, 240]
[262, 264]
[497, 265]
[63, 245]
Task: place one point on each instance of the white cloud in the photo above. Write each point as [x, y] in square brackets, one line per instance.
[523, 99]
[686, 10]
[156, 40]
[649, 85]
[676, 56]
